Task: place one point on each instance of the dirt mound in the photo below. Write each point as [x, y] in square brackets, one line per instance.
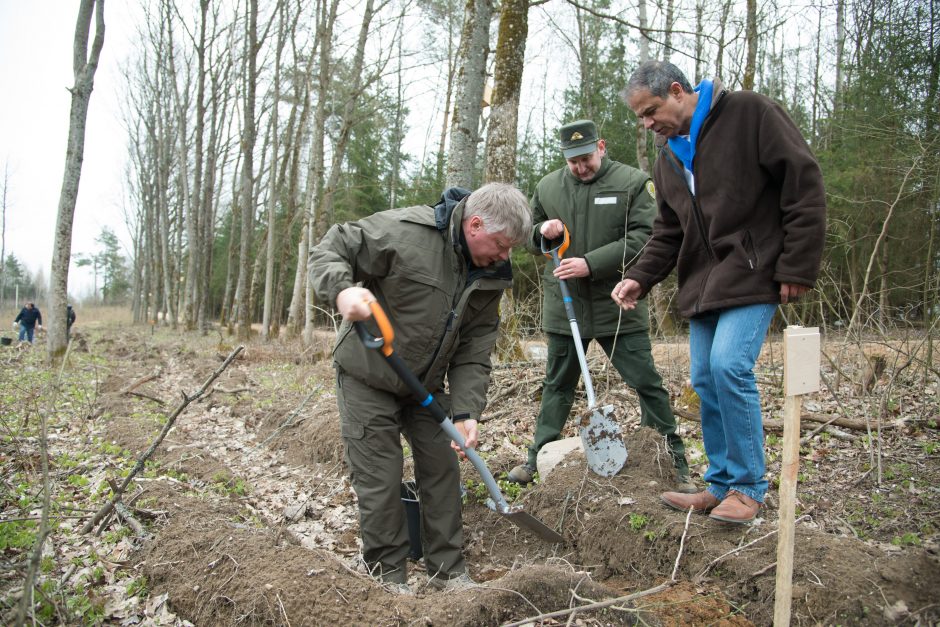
[256, 522]
[218, 570]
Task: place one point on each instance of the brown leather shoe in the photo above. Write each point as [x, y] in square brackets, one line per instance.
[701, 502]
[737, 508]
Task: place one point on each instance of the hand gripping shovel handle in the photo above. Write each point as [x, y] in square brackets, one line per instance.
[426, 399]
[555, 253]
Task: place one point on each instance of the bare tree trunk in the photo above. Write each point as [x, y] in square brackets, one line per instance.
[814, 120]
[471, 79]
[302, 300]
[722, 30]
[84, 65]
[504, 118]
[699, 39]
[398, 124]
[272, 200]
[210, 199]
[840, 58]
[451, 72]
[229, 300]
[667, 27]
[751, 37]
[194, 213]
[246, 193]
[324, 215]
[642, 151]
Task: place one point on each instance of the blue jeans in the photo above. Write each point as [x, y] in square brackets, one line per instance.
[724, 345]
[26, 332]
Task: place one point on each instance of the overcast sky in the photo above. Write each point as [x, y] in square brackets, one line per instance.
[36, 72]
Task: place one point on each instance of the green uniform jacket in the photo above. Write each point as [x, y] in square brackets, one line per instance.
[609, 220]
[445, 321]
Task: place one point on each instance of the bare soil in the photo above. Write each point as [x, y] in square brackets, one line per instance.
[252, 520]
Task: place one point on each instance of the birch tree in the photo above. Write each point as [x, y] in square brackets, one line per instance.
[471, 80]
[273, 195]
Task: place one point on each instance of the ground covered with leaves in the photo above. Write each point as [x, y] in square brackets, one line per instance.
[244, 514]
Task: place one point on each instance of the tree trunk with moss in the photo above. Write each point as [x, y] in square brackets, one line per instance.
[504, 118]
[471, 80]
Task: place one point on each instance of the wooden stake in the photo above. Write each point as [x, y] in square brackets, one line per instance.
[800, 375]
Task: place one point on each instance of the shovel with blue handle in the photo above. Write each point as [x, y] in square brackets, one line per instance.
[514, 513]
[600, 434]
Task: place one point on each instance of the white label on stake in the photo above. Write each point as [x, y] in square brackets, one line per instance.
[800, 360]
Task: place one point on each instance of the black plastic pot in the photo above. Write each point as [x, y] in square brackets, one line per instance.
[409, 498]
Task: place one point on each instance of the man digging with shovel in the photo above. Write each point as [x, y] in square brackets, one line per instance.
[438, 273]
[608, 208]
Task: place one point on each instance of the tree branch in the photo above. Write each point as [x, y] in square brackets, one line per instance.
[109, 506]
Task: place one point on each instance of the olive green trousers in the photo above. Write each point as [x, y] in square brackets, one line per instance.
[371, 423]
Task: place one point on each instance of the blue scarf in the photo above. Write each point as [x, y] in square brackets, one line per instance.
[685, 148]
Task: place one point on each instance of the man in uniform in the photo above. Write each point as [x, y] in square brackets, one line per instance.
[608, 208]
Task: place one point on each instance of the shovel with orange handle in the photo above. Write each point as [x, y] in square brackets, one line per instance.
[514, 513]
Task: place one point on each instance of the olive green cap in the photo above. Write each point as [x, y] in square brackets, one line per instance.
[578, 138]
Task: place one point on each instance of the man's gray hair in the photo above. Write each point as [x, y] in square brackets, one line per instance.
[655, 77]
[504, 209]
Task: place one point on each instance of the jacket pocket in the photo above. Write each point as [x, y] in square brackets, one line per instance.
[750, 251]
[611, 208]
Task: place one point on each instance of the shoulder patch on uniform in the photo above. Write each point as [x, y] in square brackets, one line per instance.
[651, 189]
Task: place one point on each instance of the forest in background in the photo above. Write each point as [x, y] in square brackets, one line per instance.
[253, 126]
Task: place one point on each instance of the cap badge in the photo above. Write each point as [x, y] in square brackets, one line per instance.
[576, 136]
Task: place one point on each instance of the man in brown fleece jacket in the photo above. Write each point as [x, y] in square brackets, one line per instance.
[742, 219]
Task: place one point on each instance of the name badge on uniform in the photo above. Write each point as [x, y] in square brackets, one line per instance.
[605, 200]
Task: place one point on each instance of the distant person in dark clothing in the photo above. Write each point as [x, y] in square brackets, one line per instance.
[29, 317]
[69, 320]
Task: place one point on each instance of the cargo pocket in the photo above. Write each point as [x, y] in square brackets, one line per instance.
[349, 427]
[638, 342]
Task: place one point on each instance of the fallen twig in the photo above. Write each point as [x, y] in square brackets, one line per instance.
[290, 419]
[133, 523]
[685, 531]
[139, 382]
[146, 396]
[109, 506]
[771, 424]
[593, 606]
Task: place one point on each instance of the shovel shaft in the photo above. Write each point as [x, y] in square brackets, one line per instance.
[426, 399]
[575, 335]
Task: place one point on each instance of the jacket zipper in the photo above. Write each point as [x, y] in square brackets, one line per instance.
[450, 321]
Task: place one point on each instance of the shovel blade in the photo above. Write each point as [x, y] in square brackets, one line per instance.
[603, 444]
[527, 521]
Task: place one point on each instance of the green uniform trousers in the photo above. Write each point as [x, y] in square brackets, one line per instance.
[371, 421]
[633, 359]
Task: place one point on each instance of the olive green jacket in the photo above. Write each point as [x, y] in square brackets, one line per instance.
[444, 311]
[609, 220]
